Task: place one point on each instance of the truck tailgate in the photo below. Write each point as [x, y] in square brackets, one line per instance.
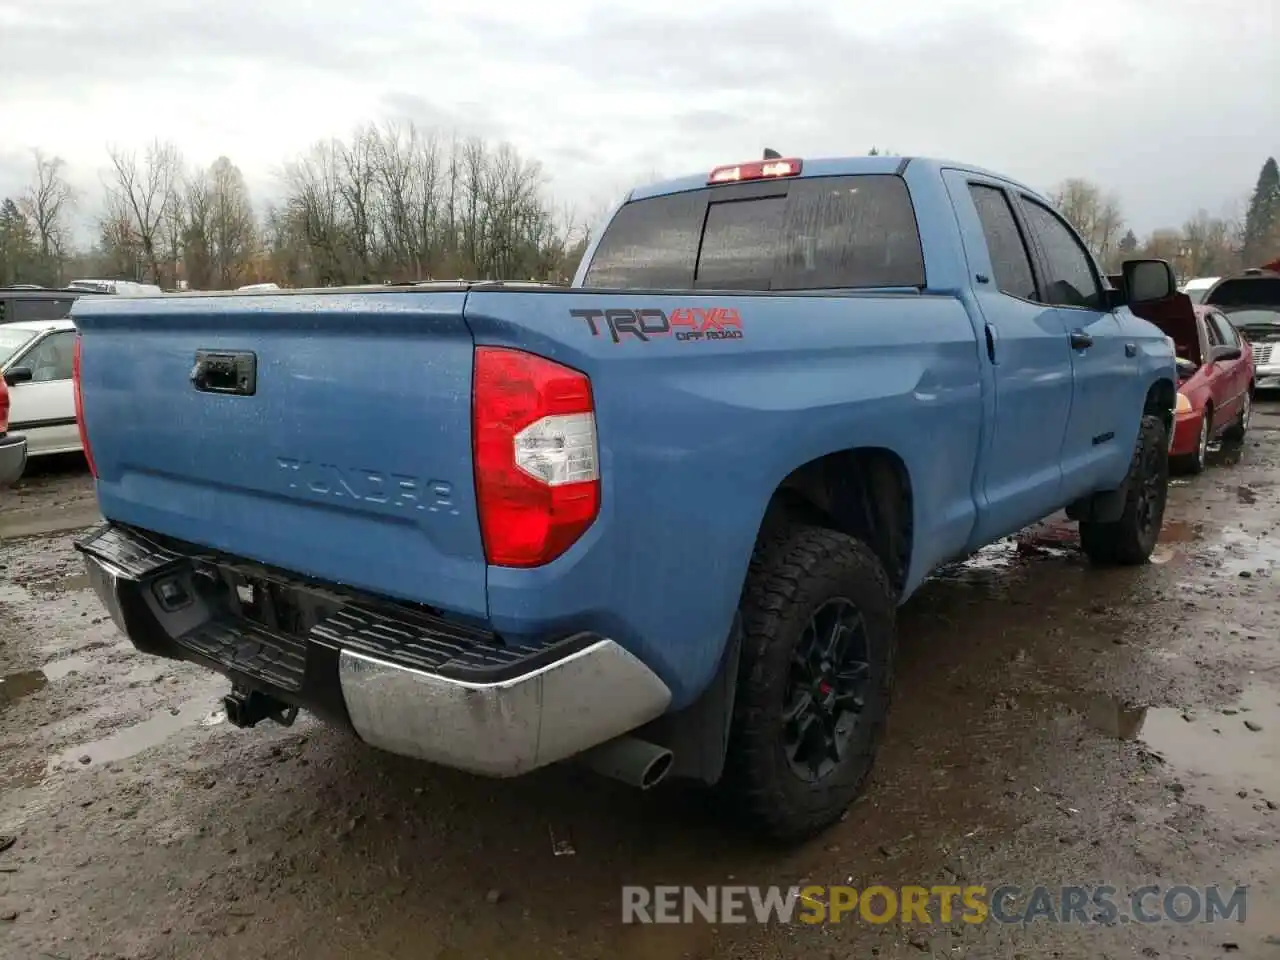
[328, 434]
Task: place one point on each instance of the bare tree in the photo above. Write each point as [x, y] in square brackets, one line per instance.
[47, 203]
[1096, 215]
[146, 192]
[232, 226]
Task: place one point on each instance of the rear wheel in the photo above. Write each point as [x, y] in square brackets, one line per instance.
[813, 690]
[1236, 434]
[1130, 540]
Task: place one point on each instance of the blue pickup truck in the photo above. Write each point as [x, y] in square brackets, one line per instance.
[659, 520]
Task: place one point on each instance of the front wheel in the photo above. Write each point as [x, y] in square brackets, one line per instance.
[816, 670]
[1130, 540]
[1194, 463]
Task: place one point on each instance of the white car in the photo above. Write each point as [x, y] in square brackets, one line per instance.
[1197, 288]
[35, 360]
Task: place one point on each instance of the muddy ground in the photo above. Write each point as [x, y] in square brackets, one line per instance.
[1053, 725]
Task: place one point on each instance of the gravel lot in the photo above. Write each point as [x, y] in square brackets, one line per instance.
[1053, 724]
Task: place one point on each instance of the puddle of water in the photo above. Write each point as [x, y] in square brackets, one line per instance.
[1241, 551]
[15, 686]
[18, 685]
[132, 740]
[1220, 746]
[1180, 531]
[70, 584]
[77, 663]
[1108, 715]
[25, 773]
[1214, 745]
[12, 593]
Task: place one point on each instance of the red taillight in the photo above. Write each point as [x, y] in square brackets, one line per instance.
[4, 407]
[75, 380]
[536, 463]
[756, 170]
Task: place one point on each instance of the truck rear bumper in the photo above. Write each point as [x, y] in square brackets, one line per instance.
[13, 458]
[404, 681]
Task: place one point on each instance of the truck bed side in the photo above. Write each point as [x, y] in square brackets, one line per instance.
[695, 437]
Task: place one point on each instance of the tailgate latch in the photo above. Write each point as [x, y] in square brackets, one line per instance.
[222, 372]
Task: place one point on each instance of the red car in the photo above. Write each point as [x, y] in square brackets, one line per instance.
[13, 449]
[1215, 380]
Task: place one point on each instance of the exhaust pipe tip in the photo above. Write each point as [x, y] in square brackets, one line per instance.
[630, 760]
[657, 770]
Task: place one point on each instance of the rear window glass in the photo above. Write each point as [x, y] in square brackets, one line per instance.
[813, 234]
[1246, 292]
[43, 309]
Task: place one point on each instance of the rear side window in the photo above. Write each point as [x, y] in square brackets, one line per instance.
[814, 234]
[1246, 292]
[1010, 261]
[43, 309]
[651, 243]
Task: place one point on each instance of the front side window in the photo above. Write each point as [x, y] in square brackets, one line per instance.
[51, 358]
[11, 341]
[1071, 281]
[1226, 332]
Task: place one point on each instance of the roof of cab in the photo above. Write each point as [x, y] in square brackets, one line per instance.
[40, 326]
[833, 167]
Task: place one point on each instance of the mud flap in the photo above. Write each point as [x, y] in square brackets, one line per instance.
[1105, 507]
[698, 735]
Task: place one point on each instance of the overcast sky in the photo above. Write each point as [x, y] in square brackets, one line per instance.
[1172, 104]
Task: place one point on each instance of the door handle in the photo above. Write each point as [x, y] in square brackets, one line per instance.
[229, 373]
[1080, 340]
[1130, 349]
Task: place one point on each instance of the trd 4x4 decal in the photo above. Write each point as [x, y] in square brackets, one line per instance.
[684, 323]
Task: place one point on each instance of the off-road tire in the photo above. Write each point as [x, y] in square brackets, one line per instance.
[792, 575]
[1130, 540]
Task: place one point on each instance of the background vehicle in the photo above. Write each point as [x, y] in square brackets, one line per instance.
[35, 361]
[1197, 288]
[25, 302]
[121, 288]
[1215, 378]
[1251, 301]
[13, 447]
[660, 520]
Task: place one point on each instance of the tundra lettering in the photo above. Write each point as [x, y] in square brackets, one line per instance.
[370, 486]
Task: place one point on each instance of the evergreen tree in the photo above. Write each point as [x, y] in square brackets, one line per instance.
[1128, 244]
[17, 244]
[1262, 222]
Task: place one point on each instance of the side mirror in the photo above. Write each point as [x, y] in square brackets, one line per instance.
[1148, 280]
[1224, 352]
[17, 375]
[1186, 368]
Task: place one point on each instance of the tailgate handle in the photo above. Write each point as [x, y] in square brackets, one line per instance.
[221, 372]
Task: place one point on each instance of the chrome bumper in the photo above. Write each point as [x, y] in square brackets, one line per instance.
[506, 728]
[524, 720]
